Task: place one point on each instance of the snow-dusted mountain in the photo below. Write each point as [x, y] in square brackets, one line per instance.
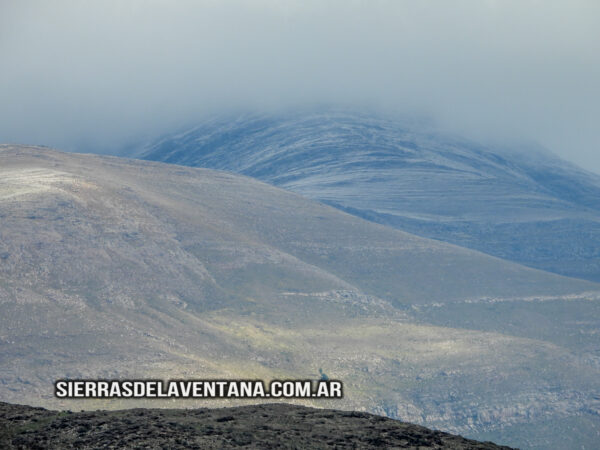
[522, 204]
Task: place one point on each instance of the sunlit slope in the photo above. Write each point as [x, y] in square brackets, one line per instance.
[112, 268]
[99, 224]
[518, 202]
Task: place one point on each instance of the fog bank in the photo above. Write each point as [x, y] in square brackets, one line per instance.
[93, 76]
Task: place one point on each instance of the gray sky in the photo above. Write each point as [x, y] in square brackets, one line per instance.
[81, 74]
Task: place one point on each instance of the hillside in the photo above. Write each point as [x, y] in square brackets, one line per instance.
[518, 203]
[121, 268]
[260, 427]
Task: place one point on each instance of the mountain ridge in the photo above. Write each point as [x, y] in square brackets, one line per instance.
[521, 204]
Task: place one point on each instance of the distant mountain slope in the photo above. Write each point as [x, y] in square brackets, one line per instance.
[272, 426]
[526, 205]
[125, 268]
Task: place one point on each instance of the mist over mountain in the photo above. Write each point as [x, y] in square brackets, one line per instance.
[115, 268]
[94, 76]
[516, 202]
[285, 216]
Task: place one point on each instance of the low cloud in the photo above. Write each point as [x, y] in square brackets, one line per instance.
[96, 75]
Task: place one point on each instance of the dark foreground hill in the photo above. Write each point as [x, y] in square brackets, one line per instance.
[517, 203]
[258, 426]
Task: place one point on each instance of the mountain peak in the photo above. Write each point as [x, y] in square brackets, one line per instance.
[398, 173]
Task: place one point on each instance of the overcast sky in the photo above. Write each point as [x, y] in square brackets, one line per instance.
[88, 75]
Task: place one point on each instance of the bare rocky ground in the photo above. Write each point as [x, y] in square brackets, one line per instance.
[266, 426]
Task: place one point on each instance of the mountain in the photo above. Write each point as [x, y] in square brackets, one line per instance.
[518, 203]
[263, 426]
[117, 268]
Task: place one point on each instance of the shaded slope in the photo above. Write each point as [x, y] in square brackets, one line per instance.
[524, 205]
